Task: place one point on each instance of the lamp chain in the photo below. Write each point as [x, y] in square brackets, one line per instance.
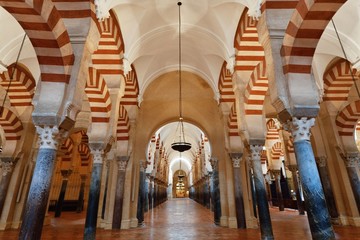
[180, 98]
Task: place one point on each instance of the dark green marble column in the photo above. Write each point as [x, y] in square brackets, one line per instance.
[119, 195]
[38, 196]
[280, 199]
[65, 174]
[140, 206]
[239, 200]
[94, 194]
[315, 204]
[216, 190]
[261, 199]
[351, 162]
[300, 205]
[80, 203]
[7, 164]
[325, 180]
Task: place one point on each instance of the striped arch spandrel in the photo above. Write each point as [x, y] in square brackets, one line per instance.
[346, 122]
[302, 35]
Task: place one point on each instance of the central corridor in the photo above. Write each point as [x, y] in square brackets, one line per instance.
[183, 219]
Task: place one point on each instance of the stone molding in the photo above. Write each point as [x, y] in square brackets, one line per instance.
[49, 136]
[293, 168]
[122, 162]
[66, 173]
[300, 128]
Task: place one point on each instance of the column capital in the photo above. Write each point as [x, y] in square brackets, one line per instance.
[321, 161]
[97, 155]
[142, 165]
[66, 173]
[49, 136]
[293, 167]
[236, 159]
[300, 128]
[7, 164]
[276, 173]
[351, 159]
[214, 163]
[255, 152]
[83, 177]
[122, 162]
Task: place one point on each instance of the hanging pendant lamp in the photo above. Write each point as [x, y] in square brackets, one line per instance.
[180, 144]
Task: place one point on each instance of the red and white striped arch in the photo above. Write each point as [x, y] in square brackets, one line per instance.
[338, 81]
[123, 126]
[232, 122]
[225, 86]
[43, 24]
[84, 152]
[131, 89]
[276, 151]
[99, 97]
[11, 124]
[249, 51]
[108, 58]
[263, 157]
[348, 118]
[272, 131]
[305, 28]
[21, 90]
[66, 148]
[256, 90]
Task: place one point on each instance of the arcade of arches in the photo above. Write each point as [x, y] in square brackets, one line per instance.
[89, 110]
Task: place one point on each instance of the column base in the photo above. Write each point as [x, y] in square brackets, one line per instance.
[252, 223]
[223, 221]
[47, 219]
[125, 224]
[134, 223]
[232, 222]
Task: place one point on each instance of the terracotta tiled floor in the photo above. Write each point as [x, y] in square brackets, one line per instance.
[181, 219]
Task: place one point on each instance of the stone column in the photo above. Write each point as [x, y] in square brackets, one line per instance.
[280, 198]
[151, 192]
[38, 196]
[65, 174]
[315, 204]
[300, 205]
[140, 206]
[239, 200]
[119, 195]
[146, 192]
[325, 180]
[207, 191]
[80, 203]
[7, 164]
[215, 191]
[94, 193]
[261, 200]
[351, 161]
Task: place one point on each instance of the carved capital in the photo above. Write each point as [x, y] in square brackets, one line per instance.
[49, 136]
[236, 159]
[300, 128]
[321, 161]
[142, 165]
[7, 165]
[102, 9]
[277, 174]
[255, 152]
[293, 168]
[214, 163]
[97, 155]
[122, 162]
[351, 159]
[66, 173]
